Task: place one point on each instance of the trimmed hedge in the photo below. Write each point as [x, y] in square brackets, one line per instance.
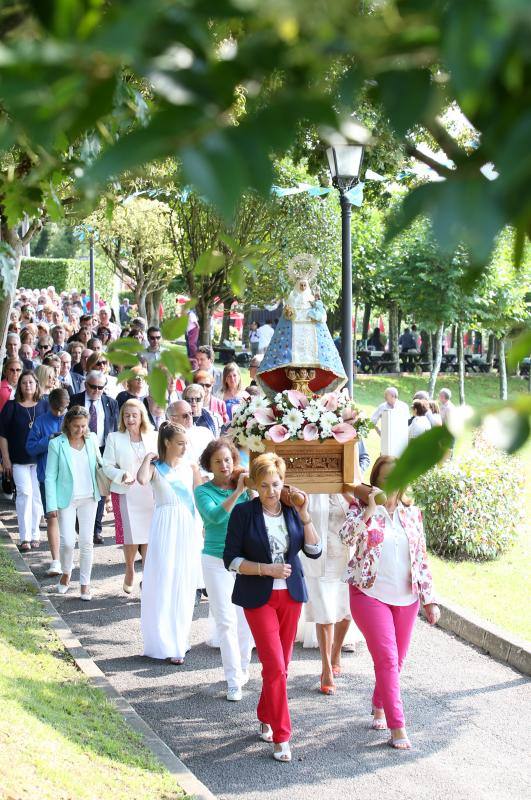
[472, 504]
[65, 274]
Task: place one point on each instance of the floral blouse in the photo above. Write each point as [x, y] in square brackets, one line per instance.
[366, 540]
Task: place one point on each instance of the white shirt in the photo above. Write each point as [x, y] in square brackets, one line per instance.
[265, 334]
[81, 469]
[100, 415]
[278, 536]
[419, 425]
[393, 580]
[198, 438]
[446, 411]
[399, 407]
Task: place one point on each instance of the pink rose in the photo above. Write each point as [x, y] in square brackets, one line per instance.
[278, 433]
[264, 416]
[297, 399]
[310, 432]
[330, 401]
[343, 433]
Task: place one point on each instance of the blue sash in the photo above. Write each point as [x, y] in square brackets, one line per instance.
[184, 495]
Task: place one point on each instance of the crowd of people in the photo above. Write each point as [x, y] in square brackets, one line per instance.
[74, 441]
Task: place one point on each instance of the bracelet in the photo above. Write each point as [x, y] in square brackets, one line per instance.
[259, 570]
[306, 522]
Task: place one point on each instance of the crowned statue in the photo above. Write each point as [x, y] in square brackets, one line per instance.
[302, 354]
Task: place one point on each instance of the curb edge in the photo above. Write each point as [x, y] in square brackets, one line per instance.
[184, 777]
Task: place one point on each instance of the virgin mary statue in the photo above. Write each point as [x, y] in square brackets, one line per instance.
[302, 354]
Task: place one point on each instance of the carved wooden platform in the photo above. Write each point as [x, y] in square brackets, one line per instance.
[317, 467]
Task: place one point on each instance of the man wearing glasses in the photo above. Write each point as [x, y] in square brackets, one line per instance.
[10, 375]
[103, 419]
[198, 438]
[153, 352]
[72, 381]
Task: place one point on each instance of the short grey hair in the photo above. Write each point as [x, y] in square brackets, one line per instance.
[422, 395]
[193, 387]
[93, 375]
[446, 393]
[12, 336]
[392, 390]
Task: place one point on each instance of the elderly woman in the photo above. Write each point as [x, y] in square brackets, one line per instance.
[72, 494]
[135, 387]
[389, 577]
[264, 538]
[420, 422]
[195, 396]
[132, 503]
[215, 501]
[16, 420]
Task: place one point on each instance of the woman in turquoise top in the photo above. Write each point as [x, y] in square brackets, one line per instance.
[215, 501]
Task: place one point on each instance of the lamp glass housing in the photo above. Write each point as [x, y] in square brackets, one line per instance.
[344, 161]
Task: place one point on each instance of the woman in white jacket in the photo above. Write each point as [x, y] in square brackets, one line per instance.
[132, 503]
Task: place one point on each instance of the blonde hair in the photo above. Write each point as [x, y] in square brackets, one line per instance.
[267, 464]
[145, 424]
[43, 374]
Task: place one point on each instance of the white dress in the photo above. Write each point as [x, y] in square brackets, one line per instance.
[171, 568]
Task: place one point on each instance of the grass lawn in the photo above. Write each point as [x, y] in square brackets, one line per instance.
[60, 738]
[499, 591]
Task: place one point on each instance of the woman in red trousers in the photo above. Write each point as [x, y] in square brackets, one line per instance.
[263, 542]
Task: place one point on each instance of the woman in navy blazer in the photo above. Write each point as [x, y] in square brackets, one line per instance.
[264, 538]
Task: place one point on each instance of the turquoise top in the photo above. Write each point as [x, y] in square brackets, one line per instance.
[208, 499]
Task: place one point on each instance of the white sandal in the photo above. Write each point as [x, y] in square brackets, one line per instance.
[284, 754]
[266, 733]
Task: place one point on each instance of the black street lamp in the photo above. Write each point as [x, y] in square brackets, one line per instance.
[344, 162]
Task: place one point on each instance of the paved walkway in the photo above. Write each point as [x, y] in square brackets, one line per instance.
[468, 716]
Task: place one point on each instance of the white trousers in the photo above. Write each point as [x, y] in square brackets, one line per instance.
[84, 508]
[235, 638]
[28, 503]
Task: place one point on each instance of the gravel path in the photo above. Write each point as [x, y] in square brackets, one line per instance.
[467, 714]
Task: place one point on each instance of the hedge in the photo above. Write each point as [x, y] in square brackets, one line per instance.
[65, 274]
[472, 504]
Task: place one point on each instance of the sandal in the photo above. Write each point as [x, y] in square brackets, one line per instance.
[324, 689]
[35, 544]
[25, 547]
[177, 661]
[284, 754]
[266, 733]
[378, 723]
[399, 744]
[336, 670]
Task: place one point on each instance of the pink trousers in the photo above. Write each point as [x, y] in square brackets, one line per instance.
[387, 630]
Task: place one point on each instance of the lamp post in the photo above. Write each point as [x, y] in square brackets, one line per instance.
[92, 280]
[344, 162]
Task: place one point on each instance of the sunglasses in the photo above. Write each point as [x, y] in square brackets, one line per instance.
[155, 338]
[205, 385]
[193, 399]
[95, 386]
[101, 363]
[14, 369]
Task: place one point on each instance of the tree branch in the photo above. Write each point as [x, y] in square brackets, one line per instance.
[441, 169]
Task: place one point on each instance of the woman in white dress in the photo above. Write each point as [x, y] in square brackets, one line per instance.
[328, 604]
[172, 563]
[132, 503]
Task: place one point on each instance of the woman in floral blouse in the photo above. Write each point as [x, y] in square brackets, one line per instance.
[389, 577]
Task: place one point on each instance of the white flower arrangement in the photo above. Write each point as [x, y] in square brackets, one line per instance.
[292, 415]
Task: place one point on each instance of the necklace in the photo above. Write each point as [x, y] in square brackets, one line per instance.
[138, 448]
[274, 514]
[31, 418]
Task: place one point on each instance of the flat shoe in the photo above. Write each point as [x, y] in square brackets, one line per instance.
[177, 661]
[336, 670]
[62, 588]
[86, 597]
[25, 547]
[128, 588]
[234, 694]
[284, 754]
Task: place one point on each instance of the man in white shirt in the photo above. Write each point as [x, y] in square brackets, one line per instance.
[205, 361]
[392, 403]
[105, 320]
[265, 334]
[446, 405]
[198, 437]
[153, 351]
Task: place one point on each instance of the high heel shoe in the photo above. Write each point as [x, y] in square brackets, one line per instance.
[284, 754]
[266, 732]
[329, 689]
[128, 588]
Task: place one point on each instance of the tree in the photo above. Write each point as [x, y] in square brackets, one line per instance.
[136, 240]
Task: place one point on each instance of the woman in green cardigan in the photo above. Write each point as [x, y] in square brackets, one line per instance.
[72, 493]
[215, 501]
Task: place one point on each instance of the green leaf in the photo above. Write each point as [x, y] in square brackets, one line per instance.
[209, 262]
[520, 348]
[122, 358]
[237, 279]
[419, 456]
[176, 362]
[174, 328]
[125, 345]
[405, 95]
[158, 385]
[125, 375]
